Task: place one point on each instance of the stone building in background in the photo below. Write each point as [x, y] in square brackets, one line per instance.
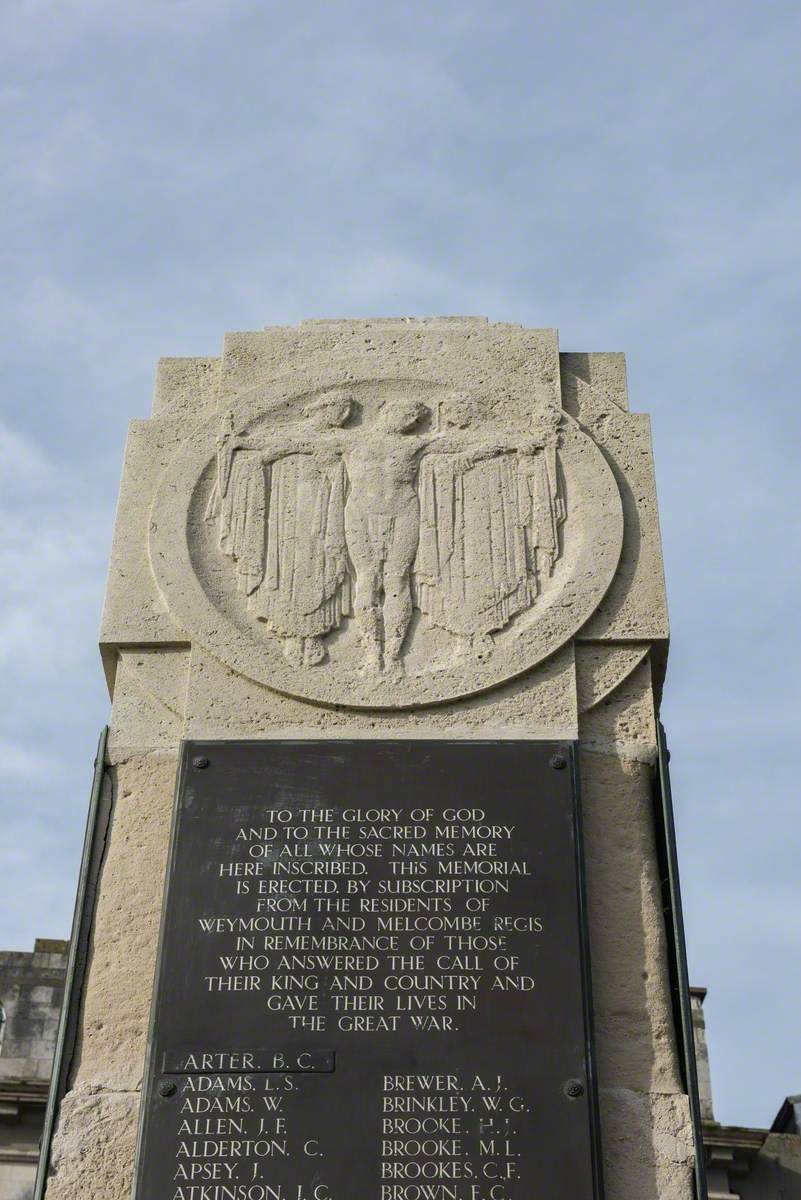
[31, 990]
[741, 1163]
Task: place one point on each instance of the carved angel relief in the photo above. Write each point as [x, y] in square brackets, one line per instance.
[330, 523]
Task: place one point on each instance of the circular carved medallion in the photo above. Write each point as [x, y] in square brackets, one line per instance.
[385, 544]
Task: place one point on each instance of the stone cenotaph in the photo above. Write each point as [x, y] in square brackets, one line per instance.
[379, 908]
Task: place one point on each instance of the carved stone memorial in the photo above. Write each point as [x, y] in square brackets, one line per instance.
[370, 579]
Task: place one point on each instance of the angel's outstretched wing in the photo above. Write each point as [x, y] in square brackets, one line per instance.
[542, 509]
[239, 501]
[437, 488]
[470, 572]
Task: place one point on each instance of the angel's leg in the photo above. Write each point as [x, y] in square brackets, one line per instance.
[293, 650]
[366, 602]
[368, 614]
[314, 651]
[397, 587]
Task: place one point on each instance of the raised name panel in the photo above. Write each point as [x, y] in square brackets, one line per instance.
[373, 977]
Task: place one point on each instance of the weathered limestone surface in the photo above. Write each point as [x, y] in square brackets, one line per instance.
[120, 973]
[645, 1117]
[94, 1150]
[647, 1145]
[222, 701]
[594, 393]
[400, 624]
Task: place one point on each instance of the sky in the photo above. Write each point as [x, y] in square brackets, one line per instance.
[628, 172]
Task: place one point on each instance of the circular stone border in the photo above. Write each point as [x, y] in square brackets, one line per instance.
[595, 511]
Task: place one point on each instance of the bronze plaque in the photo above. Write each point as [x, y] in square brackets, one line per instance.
[373, 979]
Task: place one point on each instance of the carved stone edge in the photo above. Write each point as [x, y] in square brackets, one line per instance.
[601, 667]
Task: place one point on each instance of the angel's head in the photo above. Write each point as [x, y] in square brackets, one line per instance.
[401, 416]
[547, 422]
[457, 412]
[329, 411]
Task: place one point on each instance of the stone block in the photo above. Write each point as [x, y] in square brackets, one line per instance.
[647, 1145]
[594, 393]
[186, 387]
[93, 1148]
[119, 981]
[634, 1029]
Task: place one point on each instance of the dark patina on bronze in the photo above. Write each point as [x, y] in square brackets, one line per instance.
[509, 1120]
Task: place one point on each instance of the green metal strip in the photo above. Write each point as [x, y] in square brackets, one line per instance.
[680, 982]
[97, 824]
[586, 970]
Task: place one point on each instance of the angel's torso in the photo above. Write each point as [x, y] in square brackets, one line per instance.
[382, 472]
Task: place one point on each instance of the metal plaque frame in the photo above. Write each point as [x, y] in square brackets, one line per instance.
[540, 1044]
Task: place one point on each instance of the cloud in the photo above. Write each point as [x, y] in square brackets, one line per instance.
[22, 463]
[52, 312]
[45, 28]
[64, 154]
[52, 563]
[28, 766]
[377, 277]
[53, 544]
